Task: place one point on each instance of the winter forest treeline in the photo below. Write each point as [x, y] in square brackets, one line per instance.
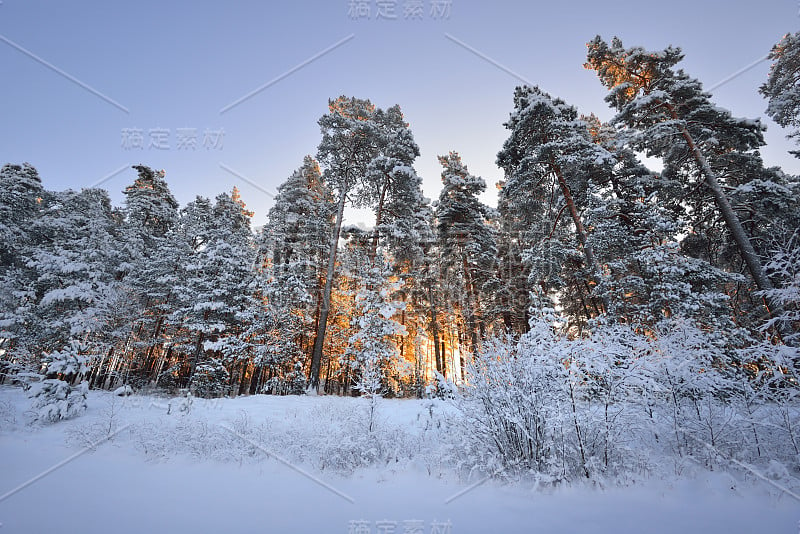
[703, 257]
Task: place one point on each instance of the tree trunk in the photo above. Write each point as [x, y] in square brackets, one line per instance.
[444, 361]
[254, 380]
[733, 224]
[373, 250]
[319, 341]
[96, 372]
[435, 330]
[471, 305]
[198, 350]
[583, 237]
[328, 376]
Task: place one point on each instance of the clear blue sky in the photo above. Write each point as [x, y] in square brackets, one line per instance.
[175, 65]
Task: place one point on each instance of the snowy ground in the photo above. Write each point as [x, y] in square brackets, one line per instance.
[213, 469]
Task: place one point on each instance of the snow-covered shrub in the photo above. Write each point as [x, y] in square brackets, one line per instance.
[623, 401]
[123, 391]
[103, 425]
[514, 403]
[273, 386]
[294, 383]
[182, 404]
[69, 362]
[26, 379]
[598, 405]
[9, 369]
[694, 383]
[54, 400]
[7, 417]
[210, 379]
[338, 437]
[298, 382]
[609, 384]
[769, 401]
[441, 388]
[170, 378]
[785, 266]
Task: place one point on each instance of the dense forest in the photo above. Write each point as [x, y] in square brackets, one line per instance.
[587, 253]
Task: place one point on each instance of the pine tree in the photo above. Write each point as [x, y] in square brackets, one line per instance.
[642, 244]
[281, 325]
[785, 266]
[391, 186]
[213, 297]
[150, 209]
[349, 134]
[667, 114]
[467, 243]
[21, 196]
[428, 290]
[69, 287]
[549, 160]
[298, 225]
[294, 246]
[402, 231]
[77, 264]
[512, 298]
[367, 153]
[782, 88]
[372, 347]
[154, 251]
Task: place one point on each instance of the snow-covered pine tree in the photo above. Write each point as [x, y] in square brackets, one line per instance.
[77, 262]
[349, 142]
[150, 209]
[666, 114]
[549, 160]
[67, 289]
[279, 330]
[55, 397]
[402, 231]
[467, 246]
[512, 297]
[294, 245]
[373, 349]
[369, 152]
[214, 295]
[391, 186]
[768, 202]
[55, 400]
[410, 246]
[299, 223]
[785, 267]
[648, 275]
[430, 279]
[782, 88]
[21, 196]
[154, 251]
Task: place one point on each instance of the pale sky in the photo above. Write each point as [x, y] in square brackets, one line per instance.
[81, 80]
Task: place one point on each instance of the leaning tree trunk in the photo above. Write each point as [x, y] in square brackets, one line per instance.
[733, 224]
[583, 237]
[322, 326]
